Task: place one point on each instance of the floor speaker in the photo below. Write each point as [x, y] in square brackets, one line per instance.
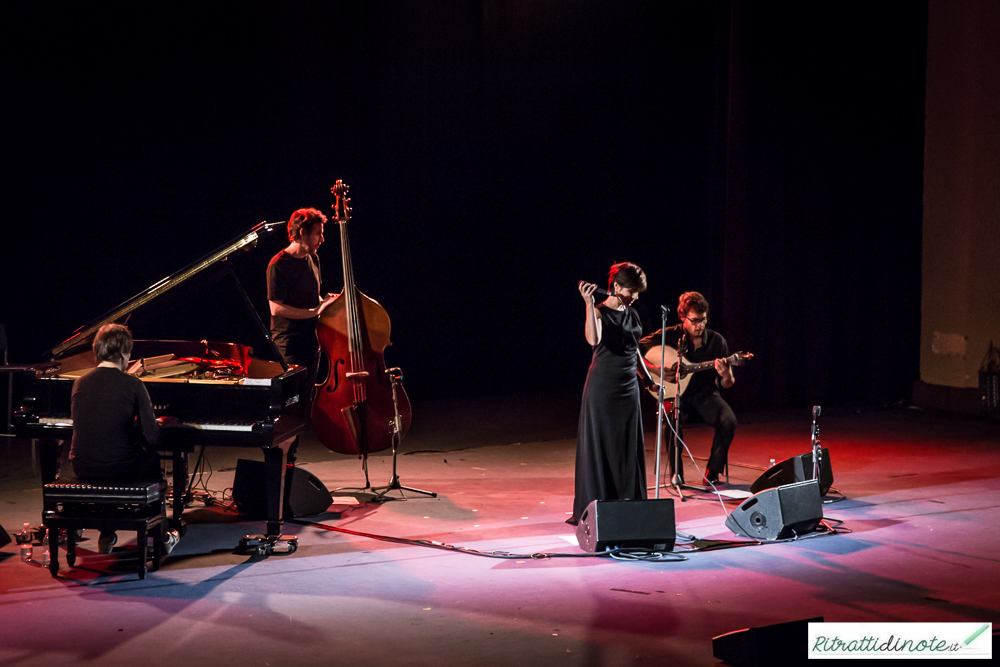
[306, 494]
[779, 513]
[4, 537]
[796, 469]
[780, 644]
[630, 524]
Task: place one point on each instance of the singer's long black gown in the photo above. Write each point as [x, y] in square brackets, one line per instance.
[610, 456]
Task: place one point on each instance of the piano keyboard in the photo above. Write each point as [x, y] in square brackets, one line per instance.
[205, 426]
[56, 421]
[220, 426]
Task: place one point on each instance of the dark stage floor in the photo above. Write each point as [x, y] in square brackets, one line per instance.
[921, 495]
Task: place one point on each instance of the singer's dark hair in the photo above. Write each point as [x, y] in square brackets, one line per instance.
[303, 221]
[112, 343]
[627, 275]
[691, 301]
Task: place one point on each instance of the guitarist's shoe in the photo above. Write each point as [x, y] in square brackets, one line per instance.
[711, 477]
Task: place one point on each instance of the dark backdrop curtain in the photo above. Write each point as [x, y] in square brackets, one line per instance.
[765, 154]
[821, 277]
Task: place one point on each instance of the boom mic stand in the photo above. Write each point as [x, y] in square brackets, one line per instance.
[396, 378]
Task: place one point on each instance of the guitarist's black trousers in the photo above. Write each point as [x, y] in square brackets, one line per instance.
[714, 411]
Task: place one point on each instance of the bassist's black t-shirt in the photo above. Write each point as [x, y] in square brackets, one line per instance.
[294, 282]
[713, 346]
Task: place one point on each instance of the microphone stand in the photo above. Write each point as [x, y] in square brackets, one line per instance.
[816, 450]
[675, 467]
[381, 492]
[659, 400]
[675, 462]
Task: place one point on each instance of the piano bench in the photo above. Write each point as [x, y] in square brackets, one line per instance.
[131, 506]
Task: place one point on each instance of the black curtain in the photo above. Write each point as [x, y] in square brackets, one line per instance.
[823, 207]
[498, 151]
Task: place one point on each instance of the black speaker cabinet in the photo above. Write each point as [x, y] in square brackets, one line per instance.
[4, 537]
[779, 644]
[306, 494]
[630, 524]
[779, 513]
[796, 469]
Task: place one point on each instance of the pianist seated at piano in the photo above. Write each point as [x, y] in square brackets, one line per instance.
[114, 428]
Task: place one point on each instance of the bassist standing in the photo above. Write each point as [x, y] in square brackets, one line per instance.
[701, 396]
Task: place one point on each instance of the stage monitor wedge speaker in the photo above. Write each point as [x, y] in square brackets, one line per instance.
[779, 644]
[4, 537]
[796, 469]
[778, 513]
[629, 524]
[306, 493]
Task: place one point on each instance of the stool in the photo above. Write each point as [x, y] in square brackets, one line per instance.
[134, 506]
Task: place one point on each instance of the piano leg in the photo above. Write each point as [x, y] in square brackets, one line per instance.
[274, 487]
[277, 461]
[179, 459]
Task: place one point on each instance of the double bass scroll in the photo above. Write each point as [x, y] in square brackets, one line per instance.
[353, 411]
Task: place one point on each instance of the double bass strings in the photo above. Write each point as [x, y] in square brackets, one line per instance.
[354, 333]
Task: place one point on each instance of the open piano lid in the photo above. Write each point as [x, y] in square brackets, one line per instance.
[83, 337]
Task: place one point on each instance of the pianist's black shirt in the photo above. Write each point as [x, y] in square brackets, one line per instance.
[112, 420]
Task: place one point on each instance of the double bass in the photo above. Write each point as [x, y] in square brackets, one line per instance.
[353, 411]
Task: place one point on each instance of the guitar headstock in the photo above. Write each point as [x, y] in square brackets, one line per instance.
[341, 207]
[740, 358]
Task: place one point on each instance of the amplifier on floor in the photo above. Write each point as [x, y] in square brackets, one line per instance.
[307, 495]
[630, 524]
[779, 513]
[796, 469]
[779, 644]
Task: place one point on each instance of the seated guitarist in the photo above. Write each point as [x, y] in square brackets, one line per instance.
[702, 393]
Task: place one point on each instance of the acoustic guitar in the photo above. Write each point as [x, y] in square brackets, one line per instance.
[687, 370]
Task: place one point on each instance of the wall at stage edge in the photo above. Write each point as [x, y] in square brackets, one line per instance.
[961, 231]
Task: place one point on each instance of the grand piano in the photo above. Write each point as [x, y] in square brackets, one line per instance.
[217, 394]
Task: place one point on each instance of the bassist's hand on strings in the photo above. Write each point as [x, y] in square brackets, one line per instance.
[326, 301]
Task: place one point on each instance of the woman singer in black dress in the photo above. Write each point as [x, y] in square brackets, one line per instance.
[610, 455]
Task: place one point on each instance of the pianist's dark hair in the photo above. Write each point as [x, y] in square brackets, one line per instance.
[112, 343]
[303, 221]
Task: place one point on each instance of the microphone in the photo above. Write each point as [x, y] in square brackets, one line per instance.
[599, 290]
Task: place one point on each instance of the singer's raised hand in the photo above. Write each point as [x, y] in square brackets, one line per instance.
[587, 292]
